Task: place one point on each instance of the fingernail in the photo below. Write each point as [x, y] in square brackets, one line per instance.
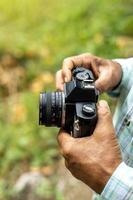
[103, 104]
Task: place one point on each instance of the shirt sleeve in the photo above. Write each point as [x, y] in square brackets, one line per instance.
[127, 71]
[120, 185]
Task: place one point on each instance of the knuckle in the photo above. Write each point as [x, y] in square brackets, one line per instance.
[67, 149]
[86, 57]
[66, 60]
[105, 114]
[87, 54]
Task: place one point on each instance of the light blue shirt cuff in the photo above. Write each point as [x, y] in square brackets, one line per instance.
[120, 184]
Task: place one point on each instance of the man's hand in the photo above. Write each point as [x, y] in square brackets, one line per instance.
[93, 159]
[108, 73]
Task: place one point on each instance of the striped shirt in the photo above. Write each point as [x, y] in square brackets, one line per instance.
[120, 184]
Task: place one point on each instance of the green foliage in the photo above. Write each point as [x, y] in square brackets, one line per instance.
[35, 36]
[56, 29]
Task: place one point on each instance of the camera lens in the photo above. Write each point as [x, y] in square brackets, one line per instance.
[50, 108]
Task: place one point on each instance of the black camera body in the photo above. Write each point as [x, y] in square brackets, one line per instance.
[75, 108]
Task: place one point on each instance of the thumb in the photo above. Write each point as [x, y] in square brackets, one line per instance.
[102, 82]
[104, 124]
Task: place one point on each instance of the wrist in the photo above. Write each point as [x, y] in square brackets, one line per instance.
[106, 175]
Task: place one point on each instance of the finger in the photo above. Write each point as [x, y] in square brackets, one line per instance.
[104, 124]
[59, 80]
[95, 68]
[86, 60]
[64, 138]
[91, 62]
[102, 82]
[69, 64]
[65, 143]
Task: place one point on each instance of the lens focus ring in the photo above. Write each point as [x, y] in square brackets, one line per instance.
[50, 109]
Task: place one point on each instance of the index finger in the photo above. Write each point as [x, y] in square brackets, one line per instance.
[86, 60]
[59, 80]
[65, 143]
[68, 64]
[64, 137]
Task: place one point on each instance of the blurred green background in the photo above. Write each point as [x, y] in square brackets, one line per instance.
[35, 37]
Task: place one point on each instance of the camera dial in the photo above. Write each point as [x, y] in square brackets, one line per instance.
[82, 76]
[88, 110]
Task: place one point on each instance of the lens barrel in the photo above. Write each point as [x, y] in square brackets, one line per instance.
[50, 108]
